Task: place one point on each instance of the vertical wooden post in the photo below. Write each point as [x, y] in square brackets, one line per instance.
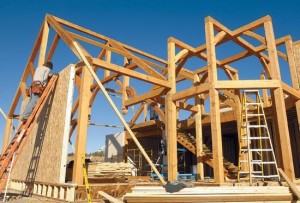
[294, 71]
[107, 59]
[83, 119]
[43, 46]
[145, 110]
[278, 104]
[7, 132]
[171, 121]
[198, 131]
[124, 85]
[214, 103]
[265, 91]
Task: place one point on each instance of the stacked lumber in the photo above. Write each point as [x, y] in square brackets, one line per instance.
[106, 169]
[145, 194]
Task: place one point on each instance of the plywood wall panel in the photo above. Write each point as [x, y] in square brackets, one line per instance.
[43, 155]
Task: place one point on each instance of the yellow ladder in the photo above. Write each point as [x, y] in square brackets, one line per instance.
[256, 155]
[87, 186]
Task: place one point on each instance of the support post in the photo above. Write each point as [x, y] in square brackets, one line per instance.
[278, 104]
[198, 131]
[8, 127]
[171, 122]
[83, 119]
[214, 103]
[43, 46]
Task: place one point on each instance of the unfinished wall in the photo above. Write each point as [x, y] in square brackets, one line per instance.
[45, 154]
[114, 144]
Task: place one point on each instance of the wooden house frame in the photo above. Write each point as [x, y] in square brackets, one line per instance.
[164, 76]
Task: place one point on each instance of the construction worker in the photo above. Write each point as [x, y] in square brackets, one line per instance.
[37, 87]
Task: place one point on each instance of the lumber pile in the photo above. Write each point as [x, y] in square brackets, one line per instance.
[106, 169]
[145, 194]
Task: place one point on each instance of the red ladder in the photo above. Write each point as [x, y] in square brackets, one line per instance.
[19, 140]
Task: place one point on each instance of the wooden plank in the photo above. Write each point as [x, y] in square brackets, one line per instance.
[83, 120]
[171, 129]
[53, 47]
[108, 197]
[108, 60]
[137, 114]
[191, 92]
[248, 84]
[292, 186]
[255, 36]
[290, 91]
[43, 46]
[143, 97]
[182, 54]
[181, 44]
[296, 71]
[214, 103]
[199, 103]
[148, 69]
[234, 58]
[131, 73]
[251, 26]
[278, 103]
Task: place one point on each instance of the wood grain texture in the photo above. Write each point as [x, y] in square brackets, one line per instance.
[41, 157]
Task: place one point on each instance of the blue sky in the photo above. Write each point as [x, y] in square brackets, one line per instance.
[145, 25]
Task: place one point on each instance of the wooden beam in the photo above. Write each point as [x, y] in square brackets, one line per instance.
[198, 130]
[171, 124]
[248, 84]
[251, 26]
[143, 97]
[53, 47]
[137, 113]
[191, 92]
[290, 91]
[214, 102]
[131, 73]
[148, 69]
[108, 197]
[83, 120]
[292, 186]
[294, 59]
[278, 103]
[43, 46]
[157, 109]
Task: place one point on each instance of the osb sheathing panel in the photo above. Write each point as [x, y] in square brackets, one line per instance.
[41, 158]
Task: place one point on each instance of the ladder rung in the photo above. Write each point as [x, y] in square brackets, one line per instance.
[257, 150]
[253, 103]
[255, 114]
[247, 172]
[251, 91]
[257, 126]
[255, 138]
[265, 176]
[258, 162]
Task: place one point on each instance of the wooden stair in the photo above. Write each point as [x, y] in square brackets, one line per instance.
[189, 142]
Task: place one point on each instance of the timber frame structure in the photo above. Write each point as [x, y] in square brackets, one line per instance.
[95, 70]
